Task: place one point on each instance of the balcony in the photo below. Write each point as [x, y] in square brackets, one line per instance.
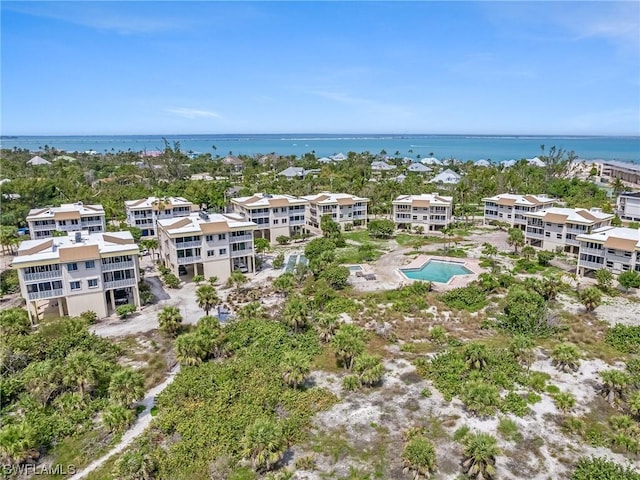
[188, 260]
[91, 223]
[591, 265]
[192, 244]
[42, 228]
[577, 231]
[530, 233]
[241, 238]
[108, 267]
[592, 251]
[292, 221]
[126, 282]
[45, 294]
[30, 277]
[242, 253]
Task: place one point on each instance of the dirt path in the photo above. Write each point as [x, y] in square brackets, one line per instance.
[140, 425]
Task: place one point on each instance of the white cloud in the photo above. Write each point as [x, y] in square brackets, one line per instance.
[192, 113]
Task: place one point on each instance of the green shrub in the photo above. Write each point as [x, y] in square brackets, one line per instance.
[170, 280]
[351, 383]
[471, 298]
[124, 311]
[508, 429]
[278, 262]
[595, 468]
[625, 338]
[516, 404]
[461, 432]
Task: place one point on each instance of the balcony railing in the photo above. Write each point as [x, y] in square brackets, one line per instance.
[92, 223]
[30, 277]
[241, 238]
[108, 267]
[40, 228]
[194, 243]
[126, 282]
[593, 251]
[45, 294]
[592, 265]
[533, 234]
[577, 231]
[241, 253]
[188, 260]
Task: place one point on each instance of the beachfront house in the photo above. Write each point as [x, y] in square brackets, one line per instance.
[628, 206]
[209, 244]
[342, 207]
[274, 215]
[68, 217]
[382, 166]
[510, 208]
[430, 211]
[79, 272]
[145, 213]
[557, 228]
[234, 163]
[418, 168]
[37, 160]
[615, 248]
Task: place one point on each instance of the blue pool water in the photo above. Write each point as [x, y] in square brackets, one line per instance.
[436, 271]
[354, 268]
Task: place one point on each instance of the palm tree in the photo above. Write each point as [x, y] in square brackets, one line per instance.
[369, 369]
[117, 418]
[476, 356]
[489, 250]
[207, 298]
[190, 349]
[296, 313]
[565, 401]
[264, 444]
[590, 298]
[42, 380]
[295, 368]
[126, 387]
[419, 457]
[238, 279]
[252, 311]
[82, 370]
[326, 326]
[515, 239]
[480, 450]
[170, 320]
[614, 384]
[284, 283]
[528, 252]
[348, 343]
[566, 357]
[522, 349]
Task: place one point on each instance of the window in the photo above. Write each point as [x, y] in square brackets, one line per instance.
[222, 236]
[284, 220]
[92, 283]
[547, 234]
[209, 238]
[211, 253]
[89, 264]
[72, 267]
[275, 222]
[223, 251]
[558, 235]
[75, 285]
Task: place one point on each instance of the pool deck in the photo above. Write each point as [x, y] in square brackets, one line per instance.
[456, 281]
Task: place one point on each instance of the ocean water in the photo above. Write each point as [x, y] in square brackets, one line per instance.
[462, 147]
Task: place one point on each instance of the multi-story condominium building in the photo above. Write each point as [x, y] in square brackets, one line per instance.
[81, 271]
[627, 172]
[275, 215]
[68, 217]
[209, 244]
[428, 210]
[342, 207]
[510, 208]
[615, 248]
[557, 228]
[628, 205]
[146, 212]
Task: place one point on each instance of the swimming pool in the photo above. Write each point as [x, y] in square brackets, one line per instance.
[436, 271]
[354, 268]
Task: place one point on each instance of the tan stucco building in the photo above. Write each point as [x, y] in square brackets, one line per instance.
[145, 213]
[80, 272]
[68, 217]
[342, 207]
[510, 208]
[615, 248]
[428, 210]
[209, 244]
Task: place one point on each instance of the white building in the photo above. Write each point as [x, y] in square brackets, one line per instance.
[342, 207]
[448, 176]
[209, 244]
[510, 208]
[557, 228]
[615, 248]
[275, 215]
[146, 212]
[418, 168]
[382, 166]
[628, 206]
[428, 210]
[81, 272]
[68, 217]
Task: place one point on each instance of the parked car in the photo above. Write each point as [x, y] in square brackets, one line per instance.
[182, 270]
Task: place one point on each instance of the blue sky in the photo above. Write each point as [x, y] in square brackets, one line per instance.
[322, 67]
